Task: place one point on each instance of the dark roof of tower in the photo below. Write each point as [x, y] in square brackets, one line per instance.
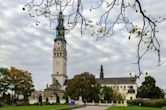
[60, 29]
[119, 80]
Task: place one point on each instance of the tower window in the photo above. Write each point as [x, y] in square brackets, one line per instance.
[60, 54]
[57, 73]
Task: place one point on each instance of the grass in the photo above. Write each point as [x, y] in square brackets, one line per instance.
[46, 107]
[134, 108]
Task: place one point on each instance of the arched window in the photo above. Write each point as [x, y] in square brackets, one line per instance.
[60, 54]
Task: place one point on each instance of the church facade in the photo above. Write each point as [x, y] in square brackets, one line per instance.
[124, 85]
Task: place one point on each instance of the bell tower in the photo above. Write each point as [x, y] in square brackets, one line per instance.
[60, 54]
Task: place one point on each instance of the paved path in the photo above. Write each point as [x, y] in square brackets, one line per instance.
[92, 108]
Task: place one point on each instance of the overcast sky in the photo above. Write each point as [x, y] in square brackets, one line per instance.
[29, 47]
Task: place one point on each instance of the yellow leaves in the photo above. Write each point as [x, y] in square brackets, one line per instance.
[20, 77]
[137, 32]
[133, 30]
[100, 30]
[17, 80]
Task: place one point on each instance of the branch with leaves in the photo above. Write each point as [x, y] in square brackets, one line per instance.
[105, 25]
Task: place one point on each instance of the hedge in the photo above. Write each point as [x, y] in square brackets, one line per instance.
[148, 103]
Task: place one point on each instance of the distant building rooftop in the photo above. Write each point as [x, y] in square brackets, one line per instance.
[122, 80]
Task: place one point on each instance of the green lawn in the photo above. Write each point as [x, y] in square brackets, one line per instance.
[46, 107]
[134, 108]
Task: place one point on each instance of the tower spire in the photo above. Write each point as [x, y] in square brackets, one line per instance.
[101, 72]
[60, 30]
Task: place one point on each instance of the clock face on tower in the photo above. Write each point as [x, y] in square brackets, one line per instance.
[58, 45]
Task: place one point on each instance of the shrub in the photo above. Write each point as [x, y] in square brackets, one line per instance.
[148, 103]
[135, 102]
[154, 103]
[22, 103]
[46, 103]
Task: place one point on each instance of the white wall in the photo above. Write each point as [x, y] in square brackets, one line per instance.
[123, 89]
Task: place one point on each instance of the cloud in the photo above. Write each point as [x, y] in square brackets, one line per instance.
[30, 47]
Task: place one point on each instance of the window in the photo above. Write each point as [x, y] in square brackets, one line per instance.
[131, 90]
[131, 98]
[60, 54]
[57, 73]
[124, 87]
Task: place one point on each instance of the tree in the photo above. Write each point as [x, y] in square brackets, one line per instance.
[83, 85]
[4, 85]
[21, 82]
[16, 81]
[107, 93]
[105, 25]
[40, 100]
[8, 99]
[148, 89]
[66, 98]
[110, 94]
[4, 80]
[117, 97]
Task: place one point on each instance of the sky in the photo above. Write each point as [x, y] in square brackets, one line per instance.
[27, 46]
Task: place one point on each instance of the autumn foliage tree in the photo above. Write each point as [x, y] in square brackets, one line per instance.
[21, 81]
[16, 80]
